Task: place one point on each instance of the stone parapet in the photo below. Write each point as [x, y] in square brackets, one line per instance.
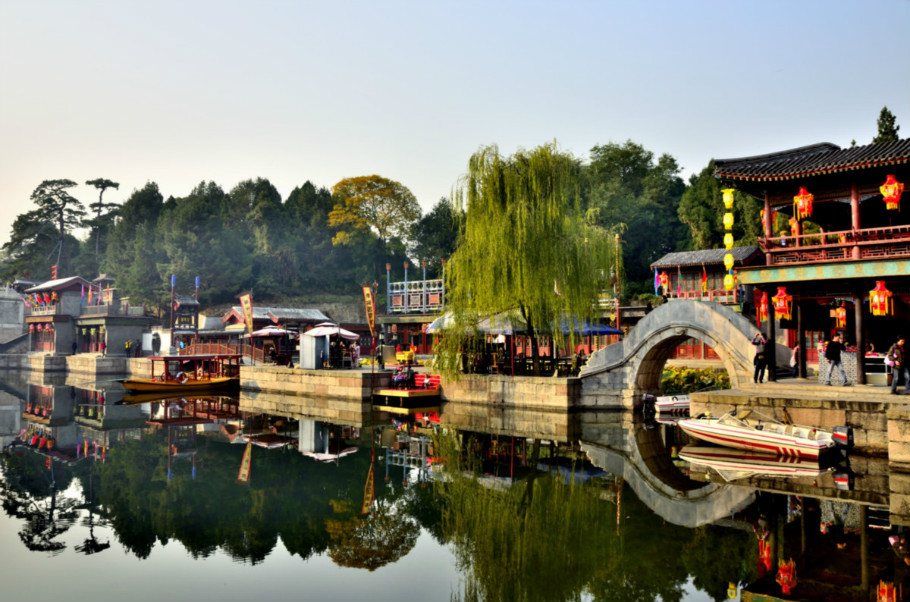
[536, 393]
[343, 384]
[95, 363]
[14, 362]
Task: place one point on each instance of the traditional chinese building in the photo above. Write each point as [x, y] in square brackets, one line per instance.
[411, 305]
[843, 264]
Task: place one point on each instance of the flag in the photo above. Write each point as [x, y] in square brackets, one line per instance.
[704, 279]
[243, 475]
[370, 308]
[656, 282]
[82, 302]
[246, 303]
[47, 299]
[89, 295]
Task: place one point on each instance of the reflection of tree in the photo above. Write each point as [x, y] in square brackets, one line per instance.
[30, 493]
[383, 536]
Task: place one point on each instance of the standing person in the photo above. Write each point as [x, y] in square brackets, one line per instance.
[794, 360]
[103, 349]
[126, 347]
[896, 354]
[761, 359]
[832, 354]
[75, 346]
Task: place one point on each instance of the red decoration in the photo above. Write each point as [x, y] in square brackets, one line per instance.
[794, 226]
[840, 316]
[783, 303]
[891, 192]
[786, 576]
[665, 282]
[802, 203]
[880, 301]
[761, 309]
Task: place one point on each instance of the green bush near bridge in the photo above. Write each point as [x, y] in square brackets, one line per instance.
[682, 380]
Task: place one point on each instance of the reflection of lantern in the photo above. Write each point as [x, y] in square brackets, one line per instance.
[728, 261]
[783, 303]
[728, 282]
[840, 316]
[802, 203]
[728, 241]
[761, 308]
[891, 191]
[728, 197]
[728, 221]
[880, 301]
[794, 226]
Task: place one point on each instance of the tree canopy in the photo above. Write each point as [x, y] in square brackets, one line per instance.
[887, 127]
[372, 203]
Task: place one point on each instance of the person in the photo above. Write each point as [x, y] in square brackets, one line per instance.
[103, 349]
[126, 347]
[75, 346]
[833, 355]
[896, 354]
[794, 360]
[760, 360]
[355, 353]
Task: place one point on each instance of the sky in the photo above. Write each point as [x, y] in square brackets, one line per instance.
[179, 92]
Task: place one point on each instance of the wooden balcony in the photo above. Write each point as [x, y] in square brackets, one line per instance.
[833, 247]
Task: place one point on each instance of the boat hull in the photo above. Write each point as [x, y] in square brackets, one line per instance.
[748, 463]
[144, 385]
[710, 431]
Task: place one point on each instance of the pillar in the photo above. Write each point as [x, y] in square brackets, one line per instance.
[772, 343]
[854, 217]
[767, 225]
[860, 337]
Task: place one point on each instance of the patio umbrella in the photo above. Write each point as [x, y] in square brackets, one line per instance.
[331, 330]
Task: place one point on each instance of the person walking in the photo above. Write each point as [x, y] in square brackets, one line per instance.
[794, 360]
[761, 358]
[896, 355]
[833, 355]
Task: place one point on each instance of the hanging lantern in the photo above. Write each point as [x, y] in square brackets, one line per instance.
[728, 221]
[728, 261]
[761, 308]
[665, 281]
[794, 226]
[728, 198]
[891, 192]
[38, 327]
[840, 316]
[728, 241]
[31, 328]
[802, 203]
[729, 281]
[880, 301]
[783, 303]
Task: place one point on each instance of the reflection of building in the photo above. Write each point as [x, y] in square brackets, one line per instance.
[411, 305]
[833, 234]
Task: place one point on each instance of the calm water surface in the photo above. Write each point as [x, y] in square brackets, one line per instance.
[459, 511]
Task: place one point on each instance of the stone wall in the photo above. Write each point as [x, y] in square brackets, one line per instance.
[536, 393]
[344, 384]
[92, 363]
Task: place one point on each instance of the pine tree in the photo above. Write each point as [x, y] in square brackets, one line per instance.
[887, 128]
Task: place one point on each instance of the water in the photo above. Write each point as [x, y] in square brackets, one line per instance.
[163, 515]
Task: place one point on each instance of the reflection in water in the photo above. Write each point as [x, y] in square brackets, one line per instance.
[596, 507]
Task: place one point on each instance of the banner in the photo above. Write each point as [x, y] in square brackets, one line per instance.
[371, 308]
[246, 302]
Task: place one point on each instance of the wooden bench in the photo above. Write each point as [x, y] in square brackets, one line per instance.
[424, 381]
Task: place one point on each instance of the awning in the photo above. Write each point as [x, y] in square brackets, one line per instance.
[331, 330]
[272, 332]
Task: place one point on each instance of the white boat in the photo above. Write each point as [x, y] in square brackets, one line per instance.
[733, 464]
[672, 404]
[752, 430]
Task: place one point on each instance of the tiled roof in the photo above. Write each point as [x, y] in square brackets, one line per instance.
[813, 160]
[706, 257]
[56, 285]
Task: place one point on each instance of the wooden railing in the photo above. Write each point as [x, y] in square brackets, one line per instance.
[843, 245]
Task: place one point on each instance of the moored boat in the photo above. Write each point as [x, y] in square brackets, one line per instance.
[752, 430]
[189, 373]
[672, 404]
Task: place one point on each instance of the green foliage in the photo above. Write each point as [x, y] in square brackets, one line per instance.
[887, 127]
[435, 236]
[525, 246]
[681, 381]
[626, 186]
[702, 210]
[372, 203]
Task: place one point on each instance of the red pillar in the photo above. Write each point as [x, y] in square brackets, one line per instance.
[767, 225]
[854, 216]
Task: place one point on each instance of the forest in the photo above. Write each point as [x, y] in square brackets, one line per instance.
[321, 240]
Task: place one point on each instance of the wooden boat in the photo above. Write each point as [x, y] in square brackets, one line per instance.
[423, 395]
[733, 464]
[189, 373]
[752, 430]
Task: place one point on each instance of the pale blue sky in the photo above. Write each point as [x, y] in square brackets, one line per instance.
[178, 92]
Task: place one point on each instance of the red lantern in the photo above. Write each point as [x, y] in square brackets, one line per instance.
[802, 203]
[891, 192]
[31, 328]
[665, 281]
[783, 303]
[840, 316]
[794, 226]
[761, 309]
[880, 301]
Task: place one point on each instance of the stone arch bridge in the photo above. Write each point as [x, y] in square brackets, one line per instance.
[617, 375]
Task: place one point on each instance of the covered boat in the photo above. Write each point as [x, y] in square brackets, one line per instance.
[189, 373]
[752, 430]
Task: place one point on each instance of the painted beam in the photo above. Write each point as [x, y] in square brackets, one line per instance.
[828, 271]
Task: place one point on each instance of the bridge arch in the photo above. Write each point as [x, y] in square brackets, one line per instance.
[619, 374]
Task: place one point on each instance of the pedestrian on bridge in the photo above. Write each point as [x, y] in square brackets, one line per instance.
[896, 355]
[832, 354]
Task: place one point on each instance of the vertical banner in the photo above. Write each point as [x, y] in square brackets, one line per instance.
[246, 302]
[368, 493]
[244, 475]
[371, 308]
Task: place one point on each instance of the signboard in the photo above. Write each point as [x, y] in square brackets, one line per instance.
[246, 302]
[371, 308]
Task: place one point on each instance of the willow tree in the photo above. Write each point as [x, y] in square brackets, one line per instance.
[525, 247]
